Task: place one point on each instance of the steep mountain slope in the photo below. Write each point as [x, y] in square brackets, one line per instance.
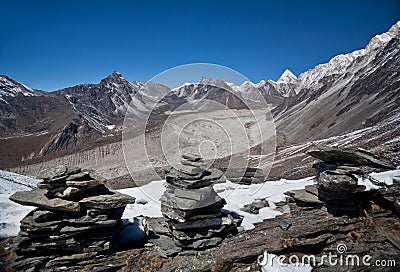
[103, 105]
[38, 126]
[349, 92]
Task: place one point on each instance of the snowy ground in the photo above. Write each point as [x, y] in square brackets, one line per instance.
[11, 213]
[147, 198]
[236, 196]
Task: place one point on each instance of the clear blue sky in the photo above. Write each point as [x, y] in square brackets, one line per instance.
[49, 45]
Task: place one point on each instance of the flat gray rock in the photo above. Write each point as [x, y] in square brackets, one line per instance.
[53, 172]
[302, 197]
[199, 163]
[352, 156]
[208, 197]
[37, 198]
[312, 189]
[200, 244]
[84, 183]
[105, 202]
[196, 214]
[199, 224]
[200, 234]
[79, 176]
[158, 226]
[204, 179]
[192, 157]
[189, 170]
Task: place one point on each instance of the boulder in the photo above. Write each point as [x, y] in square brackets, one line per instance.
[337, 183]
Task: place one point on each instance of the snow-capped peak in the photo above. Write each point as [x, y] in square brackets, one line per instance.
[287, 77]
[10, 87]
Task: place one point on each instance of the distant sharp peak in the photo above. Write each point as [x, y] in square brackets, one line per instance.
[286, 77]
[206, 81]
[115, 76]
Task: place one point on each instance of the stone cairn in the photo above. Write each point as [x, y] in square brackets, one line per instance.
[337, 183]
[192, 209]
[246, 176]
[77, 218]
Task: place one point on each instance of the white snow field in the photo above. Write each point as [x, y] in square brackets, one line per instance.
[11, 213]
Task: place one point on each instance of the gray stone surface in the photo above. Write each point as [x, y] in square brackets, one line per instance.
[304, 198]
[255, 207]
[192, 157]
[53, 172]
[84, 183]
[37, 198]
[105, 202]
[337, 183]
[79, 176]
[355, 157]
[284, 224]
[189, 170]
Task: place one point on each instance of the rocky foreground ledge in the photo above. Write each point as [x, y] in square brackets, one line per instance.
[367, 224]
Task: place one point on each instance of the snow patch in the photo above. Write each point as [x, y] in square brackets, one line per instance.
[12, 213]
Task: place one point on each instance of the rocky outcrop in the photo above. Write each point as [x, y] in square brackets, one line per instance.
[77, 219]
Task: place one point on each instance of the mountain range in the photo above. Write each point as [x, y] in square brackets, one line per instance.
[351, 92]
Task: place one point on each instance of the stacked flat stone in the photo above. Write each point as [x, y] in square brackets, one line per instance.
[337, 180]
[76, 219]
[192, 208]
[246, 176]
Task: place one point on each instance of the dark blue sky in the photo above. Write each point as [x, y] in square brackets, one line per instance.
[54, 44]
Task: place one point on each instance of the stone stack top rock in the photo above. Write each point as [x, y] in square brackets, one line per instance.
[190, 173]
[350, 156]
[71, 189]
